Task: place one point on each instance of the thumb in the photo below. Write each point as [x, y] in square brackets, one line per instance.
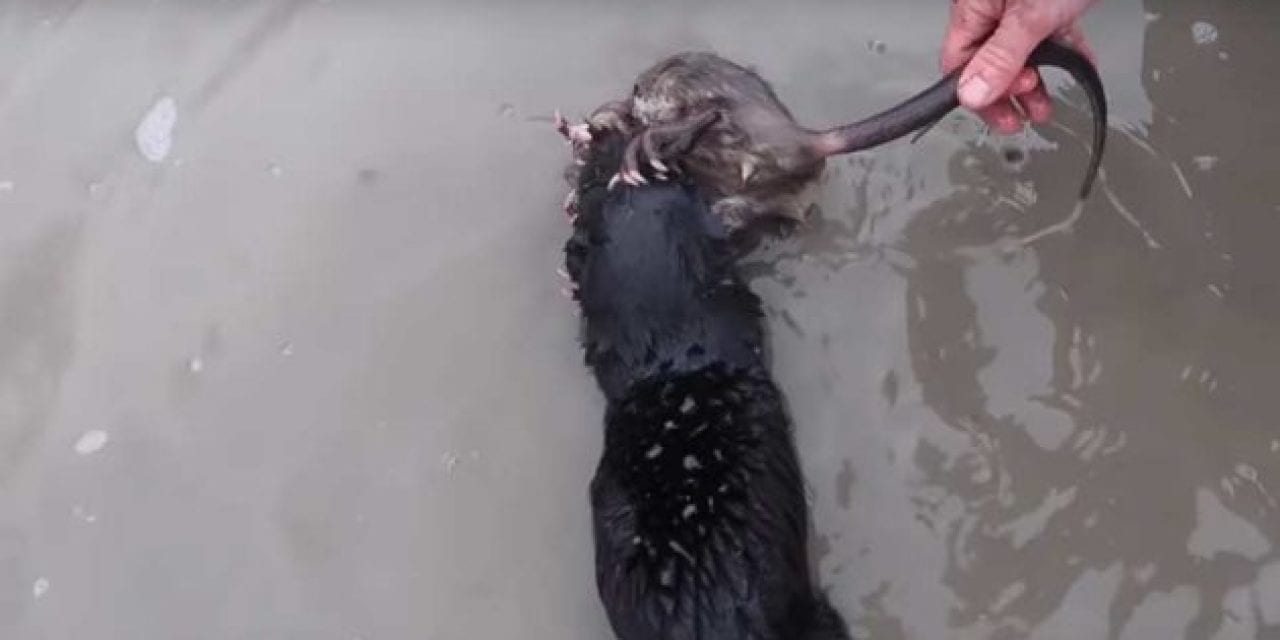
[996, 65]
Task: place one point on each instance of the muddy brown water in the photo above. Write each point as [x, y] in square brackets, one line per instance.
[305, 372]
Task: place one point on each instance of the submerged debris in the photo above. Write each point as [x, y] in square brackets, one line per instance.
[1204, 33]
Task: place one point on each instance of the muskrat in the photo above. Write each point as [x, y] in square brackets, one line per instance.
[755, 158]
[698, 506]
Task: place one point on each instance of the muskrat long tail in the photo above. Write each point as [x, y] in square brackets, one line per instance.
[934, 103]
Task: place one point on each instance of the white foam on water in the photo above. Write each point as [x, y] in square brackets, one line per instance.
[91, 442]
[154, 135]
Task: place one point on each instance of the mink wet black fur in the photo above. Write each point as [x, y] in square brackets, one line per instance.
[700, 519]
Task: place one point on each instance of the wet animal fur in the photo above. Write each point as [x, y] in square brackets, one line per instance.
[756, 160]
[700, 519]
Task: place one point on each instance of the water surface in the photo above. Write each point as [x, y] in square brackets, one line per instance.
[289, 361]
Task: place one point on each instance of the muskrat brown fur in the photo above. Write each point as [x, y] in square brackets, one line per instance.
[754, 158]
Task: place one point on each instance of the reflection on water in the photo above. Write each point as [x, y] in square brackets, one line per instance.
[1108, 462]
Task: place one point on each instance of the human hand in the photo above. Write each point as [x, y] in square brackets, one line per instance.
[995, 82]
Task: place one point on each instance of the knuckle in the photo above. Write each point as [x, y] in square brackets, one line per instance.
[1000, 57]
[1038, 19]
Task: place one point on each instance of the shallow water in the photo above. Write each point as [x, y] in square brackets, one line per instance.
[289, 361]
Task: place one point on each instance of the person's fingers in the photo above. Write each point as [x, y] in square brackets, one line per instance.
[1037, 105]
[1019, 109]
[996, 65]
[991, 41]
[970, 23]
[1027, 80]
[1030, 97]
[1002, 117]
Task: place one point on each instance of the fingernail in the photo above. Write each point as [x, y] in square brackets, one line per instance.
[974, 92]
[1026, 82]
